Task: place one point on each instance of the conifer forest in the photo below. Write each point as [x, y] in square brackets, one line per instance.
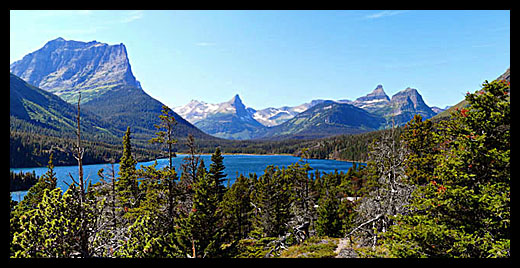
[430, 188]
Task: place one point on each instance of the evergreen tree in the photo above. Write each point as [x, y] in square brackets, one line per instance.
[127, 185]
[165, 135]
[198, 233]
[191, 162]
[328, 222]
[464, 210]
[35, 193]
[165, 132]
[50, 175]
[148, 239]
[236, 210]
[216, 173]
[50, 230]
[419, 138]
[272, 201]
[201, 231]
[302, 201]
[202, 168]
[151, 234]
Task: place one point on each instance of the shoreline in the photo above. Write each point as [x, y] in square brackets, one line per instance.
[248, 154]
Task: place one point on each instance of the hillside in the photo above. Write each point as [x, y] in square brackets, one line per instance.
[35, 110]
[446, 114]
[326, 119]
[103, 75]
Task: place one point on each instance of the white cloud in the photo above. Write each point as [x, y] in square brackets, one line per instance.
[205, 44]
[385, 13]
[132, 16]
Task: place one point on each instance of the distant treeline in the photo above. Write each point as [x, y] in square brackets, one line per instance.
[22, 181]
[31, 146]
[345, 147]
[33, 150]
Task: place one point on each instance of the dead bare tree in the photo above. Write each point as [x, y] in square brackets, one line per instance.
[389, 195]
[84, 231]
[110, 228]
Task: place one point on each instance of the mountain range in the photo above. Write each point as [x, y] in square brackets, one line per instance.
[229, 120]
[317, 118]
[109, 90]
[113, 99]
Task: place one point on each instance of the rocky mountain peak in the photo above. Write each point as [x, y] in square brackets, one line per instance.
[379, 91]
[57, 40]
[65, 67]
[410, 93]
[377, 94]
[235, 106]
[373, 100]
[408, 102]
[236, 101]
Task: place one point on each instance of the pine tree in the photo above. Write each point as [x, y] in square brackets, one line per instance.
[35, 193]
[328, 222]
[191, 162]
[151, 234]
[197, 233]
[236, 210]
[216, 173]
[50, 230]
[464, 210]
[50, 175]
[165, 132]
[165, 135]
[272, 201]
[420, 141]
[127, 186]
[202, 168]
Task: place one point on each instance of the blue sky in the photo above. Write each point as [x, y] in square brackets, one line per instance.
[277, 58]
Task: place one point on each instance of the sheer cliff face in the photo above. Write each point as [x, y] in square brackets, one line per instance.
[66, 67]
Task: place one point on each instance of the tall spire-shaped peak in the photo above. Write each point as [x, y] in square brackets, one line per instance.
[236, 101]
[236, 98]
[377, 93]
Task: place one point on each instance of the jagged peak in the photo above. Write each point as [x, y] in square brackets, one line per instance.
[55, 42]
[236, 98]
[407, 91]
[377, 93]
[61, 42]
[194, 101]
[59, 39]
[236, 101]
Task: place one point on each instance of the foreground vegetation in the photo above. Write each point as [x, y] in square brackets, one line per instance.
[428, 190]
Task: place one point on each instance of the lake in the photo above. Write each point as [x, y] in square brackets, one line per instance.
[241, 164]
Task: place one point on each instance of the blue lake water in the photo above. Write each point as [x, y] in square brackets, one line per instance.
[235, 164]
